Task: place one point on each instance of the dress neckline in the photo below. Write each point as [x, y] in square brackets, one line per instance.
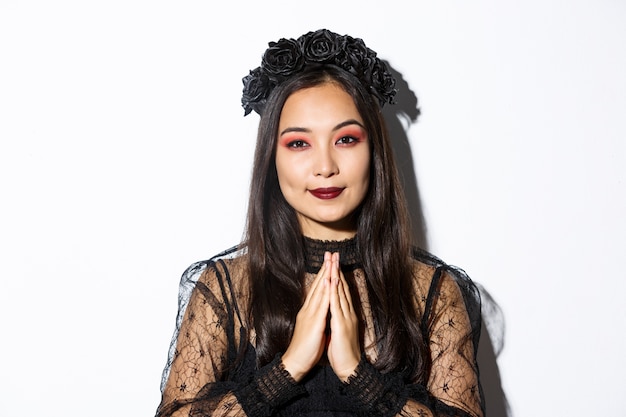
[349, 256]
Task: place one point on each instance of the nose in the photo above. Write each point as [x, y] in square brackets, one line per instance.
[325, 164]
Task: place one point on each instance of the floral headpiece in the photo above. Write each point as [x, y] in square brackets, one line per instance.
[289, 56]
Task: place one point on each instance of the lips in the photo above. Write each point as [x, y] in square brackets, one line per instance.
[326, 193]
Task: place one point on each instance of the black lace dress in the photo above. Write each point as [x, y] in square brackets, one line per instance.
[211, 368]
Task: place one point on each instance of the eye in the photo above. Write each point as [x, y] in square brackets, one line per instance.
[347, 140]
[297, 144]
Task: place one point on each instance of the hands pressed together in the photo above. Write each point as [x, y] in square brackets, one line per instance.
[329, 296]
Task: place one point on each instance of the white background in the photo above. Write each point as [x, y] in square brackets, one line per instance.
[125, 157]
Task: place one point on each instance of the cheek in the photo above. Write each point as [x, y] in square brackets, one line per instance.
[365, 179]
[361, 168]
[287, 172]
[282, 180]
[279, 162]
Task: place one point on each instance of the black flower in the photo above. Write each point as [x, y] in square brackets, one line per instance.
[282, 59]
[321, 47]
[256, 88]
[383, 84]
[357, 57]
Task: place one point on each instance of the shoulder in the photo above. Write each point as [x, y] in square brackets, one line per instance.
[444, 285]
[426, 266]
[219, 274]
[439, 280]
[227, 266]
[427, 270]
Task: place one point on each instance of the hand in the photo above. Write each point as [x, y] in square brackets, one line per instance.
[344, 352]
[309, 335]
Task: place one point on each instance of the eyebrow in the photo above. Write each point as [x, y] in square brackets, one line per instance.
[339, 126]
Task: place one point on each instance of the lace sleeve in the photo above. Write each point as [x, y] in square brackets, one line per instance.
[454, 320]
[452, 323]
[197, 379]
[199, 346]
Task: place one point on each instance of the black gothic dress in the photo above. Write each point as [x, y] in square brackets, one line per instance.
[211, 368]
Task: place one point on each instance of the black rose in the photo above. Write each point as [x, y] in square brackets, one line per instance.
[321, 47]
[282, 59]
[357, 58]
[256, 88]
[383, 83]
[288, 56]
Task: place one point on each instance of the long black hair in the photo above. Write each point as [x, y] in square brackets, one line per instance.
[275, 249]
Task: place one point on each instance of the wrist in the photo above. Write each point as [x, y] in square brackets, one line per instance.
[375, 393]
[296, 373]
[349, 371]
[271, 387]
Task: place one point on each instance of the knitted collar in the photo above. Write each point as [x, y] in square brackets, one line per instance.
[349, 256]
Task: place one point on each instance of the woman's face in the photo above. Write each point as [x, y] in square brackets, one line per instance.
[322, 160]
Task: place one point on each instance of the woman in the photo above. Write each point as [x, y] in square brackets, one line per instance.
[325, 309]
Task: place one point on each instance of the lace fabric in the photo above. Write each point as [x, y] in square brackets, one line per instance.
[211, 368]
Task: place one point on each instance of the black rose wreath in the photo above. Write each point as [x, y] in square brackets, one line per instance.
[289, 56]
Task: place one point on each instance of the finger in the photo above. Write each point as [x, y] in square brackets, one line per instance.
[335, 304]
[322, 274]
[334, 268]
[344, 303]
[343, 290]
[335, 296]
[318, 282]
[344, 294]
[341, 307]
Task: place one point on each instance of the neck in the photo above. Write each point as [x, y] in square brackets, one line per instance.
[332, 236]
[329, 231]
[314, 250]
